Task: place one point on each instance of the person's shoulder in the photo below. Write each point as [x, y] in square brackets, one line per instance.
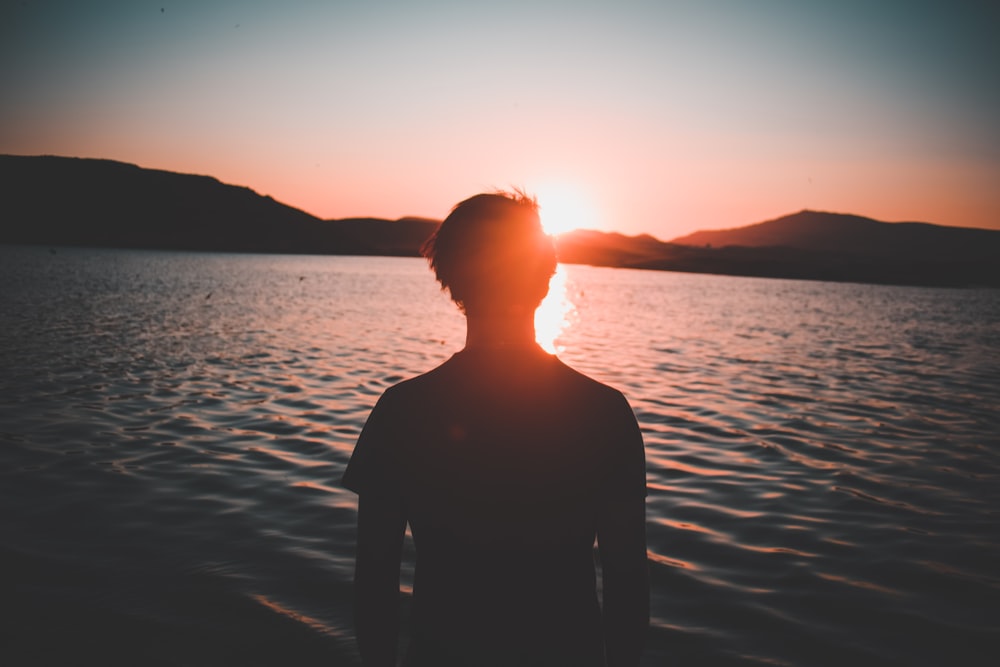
[575, 376]
[587, 384]
[604, 410]
[418, 384]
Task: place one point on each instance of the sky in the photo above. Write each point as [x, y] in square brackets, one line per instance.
[661, 117]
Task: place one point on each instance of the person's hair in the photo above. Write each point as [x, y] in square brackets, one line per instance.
[491, 251]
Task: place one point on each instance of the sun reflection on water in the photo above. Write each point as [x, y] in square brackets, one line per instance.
[554, 315]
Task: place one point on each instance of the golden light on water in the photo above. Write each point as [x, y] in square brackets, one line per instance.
[555, 313]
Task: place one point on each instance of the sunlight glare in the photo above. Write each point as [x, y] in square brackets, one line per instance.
[564, 208]
[554, 315]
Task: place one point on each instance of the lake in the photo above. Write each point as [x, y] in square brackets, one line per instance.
[823, 459]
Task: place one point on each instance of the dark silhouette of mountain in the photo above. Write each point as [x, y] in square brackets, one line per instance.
[401, 237]
[73, 201]
[810, 246]
[840, 233]
[586, 246]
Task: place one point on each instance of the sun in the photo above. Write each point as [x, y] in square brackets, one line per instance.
[564, 208]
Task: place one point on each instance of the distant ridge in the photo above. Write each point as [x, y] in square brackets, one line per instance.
[817, 245]
[48, 200]
[401, 237]
[809, 245]
[74, 201]
[838, 232]
[586, 246]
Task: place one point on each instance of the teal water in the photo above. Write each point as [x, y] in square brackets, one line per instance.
[823, 458]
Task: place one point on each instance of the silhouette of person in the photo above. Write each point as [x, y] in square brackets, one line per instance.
[507, 464]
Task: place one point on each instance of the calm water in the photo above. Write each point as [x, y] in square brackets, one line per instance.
[824, 459]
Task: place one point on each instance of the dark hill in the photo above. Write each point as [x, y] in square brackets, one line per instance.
[809, 246]
[586, 246]
[840, 233]
[71, 201]
[401, 237]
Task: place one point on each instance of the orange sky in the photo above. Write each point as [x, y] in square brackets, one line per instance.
[656, 117]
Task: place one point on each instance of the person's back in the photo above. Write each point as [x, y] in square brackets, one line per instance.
[506, 464]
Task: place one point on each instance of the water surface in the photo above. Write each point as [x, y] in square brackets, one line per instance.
[822, 458]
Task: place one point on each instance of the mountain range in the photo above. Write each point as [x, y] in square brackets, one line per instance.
[47, 200]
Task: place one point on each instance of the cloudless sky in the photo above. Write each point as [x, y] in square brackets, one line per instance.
[652, 116]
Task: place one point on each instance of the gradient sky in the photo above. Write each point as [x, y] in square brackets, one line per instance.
[661, 117]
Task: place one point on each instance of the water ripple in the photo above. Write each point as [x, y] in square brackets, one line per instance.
[823, 460]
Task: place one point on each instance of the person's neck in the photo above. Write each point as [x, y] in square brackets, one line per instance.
[507, 329]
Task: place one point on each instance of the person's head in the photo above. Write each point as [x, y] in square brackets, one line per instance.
[492, 254]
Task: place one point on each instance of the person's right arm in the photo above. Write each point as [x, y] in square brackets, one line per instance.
[381, 526]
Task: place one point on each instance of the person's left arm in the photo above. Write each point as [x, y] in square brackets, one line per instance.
[381, 526]
[621, 538]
